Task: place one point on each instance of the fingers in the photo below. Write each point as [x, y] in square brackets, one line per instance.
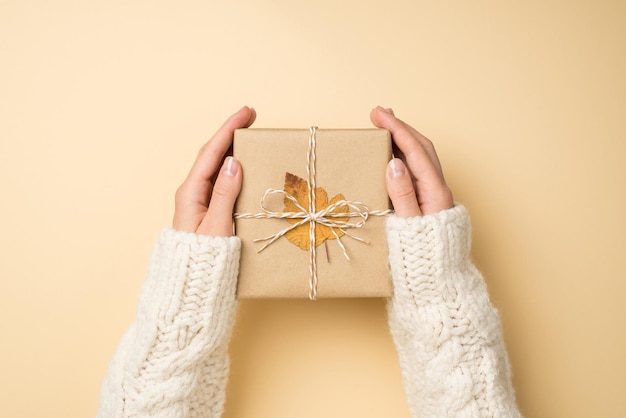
[416, 187]
[417, 157]
[212, 153]
[218, 220]
[428, 147]
[400, 189]
[424, 142]
[193, 196]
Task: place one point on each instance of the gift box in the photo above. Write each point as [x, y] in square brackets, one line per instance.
[311, 212]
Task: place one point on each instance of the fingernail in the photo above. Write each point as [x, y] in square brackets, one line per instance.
[396, 168]
[384, 109]
[230, 168]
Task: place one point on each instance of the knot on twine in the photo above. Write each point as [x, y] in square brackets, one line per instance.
[356, 216]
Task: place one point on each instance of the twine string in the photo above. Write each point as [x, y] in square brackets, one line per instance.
[310, 172]
[356, 216]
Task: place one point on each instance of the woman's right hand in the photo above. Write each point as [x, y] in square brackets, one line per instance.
[415, 182]
[204, 202]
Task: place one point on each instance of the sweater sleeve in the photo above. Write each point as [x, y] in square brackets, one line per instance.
[173, 360]
[447, 333]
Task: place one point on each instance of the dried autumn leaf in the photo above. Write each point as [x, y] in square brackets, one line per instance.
[299, 236]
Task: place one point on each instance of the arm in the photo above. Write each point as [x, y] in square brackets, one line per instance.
[173, 361]
[446, 331]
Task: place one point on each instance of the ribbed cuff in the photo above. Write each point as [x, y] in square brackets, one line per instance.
[425, 244]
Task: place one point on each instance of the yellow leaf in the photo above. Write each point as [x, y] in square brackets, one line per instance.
[299, 236]
[328, 232]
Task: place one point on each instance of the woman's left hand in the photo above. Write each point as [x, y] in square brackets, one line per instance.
[205, 200]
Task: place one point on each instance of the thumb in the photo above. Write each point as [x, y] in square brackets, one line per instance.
[218, 220]
[400, 189]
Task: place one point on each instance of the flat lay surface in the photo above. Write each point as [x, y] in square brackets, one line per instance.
[104, 105]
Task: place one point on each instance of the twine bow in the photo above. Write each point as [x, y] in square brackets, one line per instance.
[357, 216]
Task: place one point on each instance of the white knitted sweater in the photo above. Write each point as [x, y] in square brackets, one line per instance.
[173, 361]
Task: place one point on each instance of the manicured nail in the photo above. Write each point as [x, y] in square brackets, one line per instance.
[230, 168]
[396, 168]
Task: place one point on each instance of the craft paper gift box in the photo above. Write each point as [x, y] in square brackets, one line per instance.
[347, 167]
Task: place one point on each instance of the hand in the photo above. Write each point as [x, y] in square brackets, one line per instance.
[420, 189]
[205, 200]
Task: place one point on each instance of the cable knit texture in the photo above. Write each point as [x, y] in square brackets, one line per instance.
[446, 331]
[173, 361]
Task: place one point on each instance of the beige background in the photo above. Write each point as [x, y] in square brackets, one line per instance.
[104, 104]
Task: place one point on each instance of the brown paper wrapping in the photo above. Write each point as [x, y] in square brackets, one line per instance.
[349, 161]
